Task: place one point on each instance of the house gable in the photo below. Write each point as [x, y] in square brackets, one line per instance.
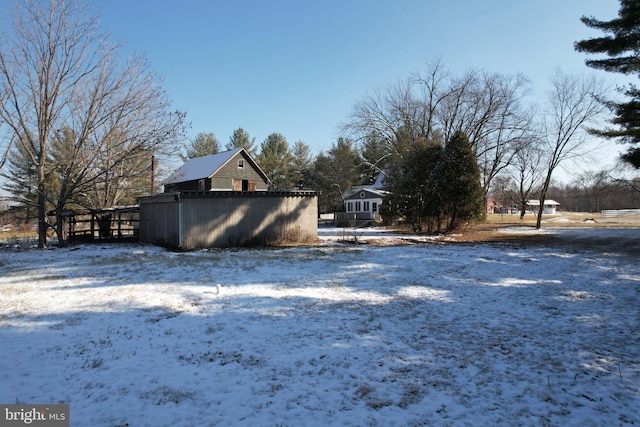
[364, 194]
[232, 170]
[240, 167]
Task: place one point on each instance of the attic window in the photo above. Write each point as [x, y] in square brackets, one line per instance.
[240, 163]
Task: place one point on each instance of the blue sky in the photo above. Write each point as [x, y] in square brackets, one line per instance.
[298, 67]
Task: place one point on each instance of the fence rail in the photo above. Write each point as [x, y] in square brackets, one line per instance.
[111, 223]
[620, 213]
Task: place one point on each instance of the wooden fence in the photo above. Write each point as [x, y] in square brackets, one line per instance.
[102, 224]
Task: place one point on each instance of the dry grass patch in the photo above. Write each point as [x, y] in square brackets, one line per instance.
[509, 229]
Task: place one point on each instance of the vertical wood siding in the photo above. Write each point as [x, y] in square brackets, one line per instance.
[223, 178]
[233, 220]
[159, 220]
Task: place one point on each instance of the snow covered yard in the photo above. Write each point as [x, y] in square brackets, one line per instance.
[334, 334]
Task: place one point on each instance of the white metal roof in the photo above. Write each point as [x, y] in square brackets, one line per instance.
[535, 202]
[201, 167]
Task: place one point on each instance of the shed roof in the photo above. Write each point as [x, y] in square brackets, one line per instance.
[206, 166]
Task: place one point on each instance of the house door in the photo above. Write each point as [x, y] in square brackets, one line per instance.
[244, 185]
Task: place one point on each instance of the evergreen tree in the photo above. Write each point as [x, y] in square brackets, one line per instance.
[241, 139]
[622, 46]
[330, 198]
[414, 192]
[459, 182]
[21, 182]
[302, 165]
[64, 154]
[276, 160]
[203, 144]
[335, 172]
[375, 156]
[82, 175]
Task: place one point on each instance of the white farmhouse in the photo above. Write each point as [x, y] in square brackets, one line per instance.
[363, 202]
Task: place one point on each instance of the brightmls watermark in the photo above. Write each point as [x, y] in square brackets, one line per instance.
[34, 415]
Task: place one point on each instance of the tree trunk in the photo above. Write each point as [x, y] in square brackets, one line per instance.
[42, 210]
[60, 227]
[540, 209]
[543, 196]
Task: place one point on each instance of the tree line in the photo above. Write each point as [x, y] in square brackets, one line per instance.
[435, 188]
[591, 191]
[82, 125]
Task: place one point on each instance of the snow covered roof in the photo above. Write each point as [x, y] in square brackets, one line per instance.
[546, 202]
[380, 181]
[377, 187]
[201, 167]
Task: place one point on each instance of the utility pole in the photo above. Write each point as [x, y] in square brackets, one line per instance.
[153, 174]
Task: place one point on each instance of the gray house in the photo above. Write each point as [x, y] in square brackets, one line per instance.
[232, 170]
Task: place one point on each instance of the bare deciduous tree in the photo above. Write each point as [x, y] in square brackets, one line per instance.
[593, 185]
[526, 173]
[435, 105]
[58, 73]
[572, 104]
[401, 114]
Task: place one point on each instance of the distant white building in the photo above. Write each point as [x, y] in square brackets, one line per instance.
[363, 202]
[549, 208]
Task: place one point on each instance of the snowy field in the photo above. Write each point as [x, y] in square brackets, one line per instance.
[333, 334]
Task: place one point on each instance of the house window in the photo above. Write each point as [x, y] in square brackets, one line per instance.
[375, 207]
[240, 163]
[349, 206]
[366, 206]
[358, 205]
